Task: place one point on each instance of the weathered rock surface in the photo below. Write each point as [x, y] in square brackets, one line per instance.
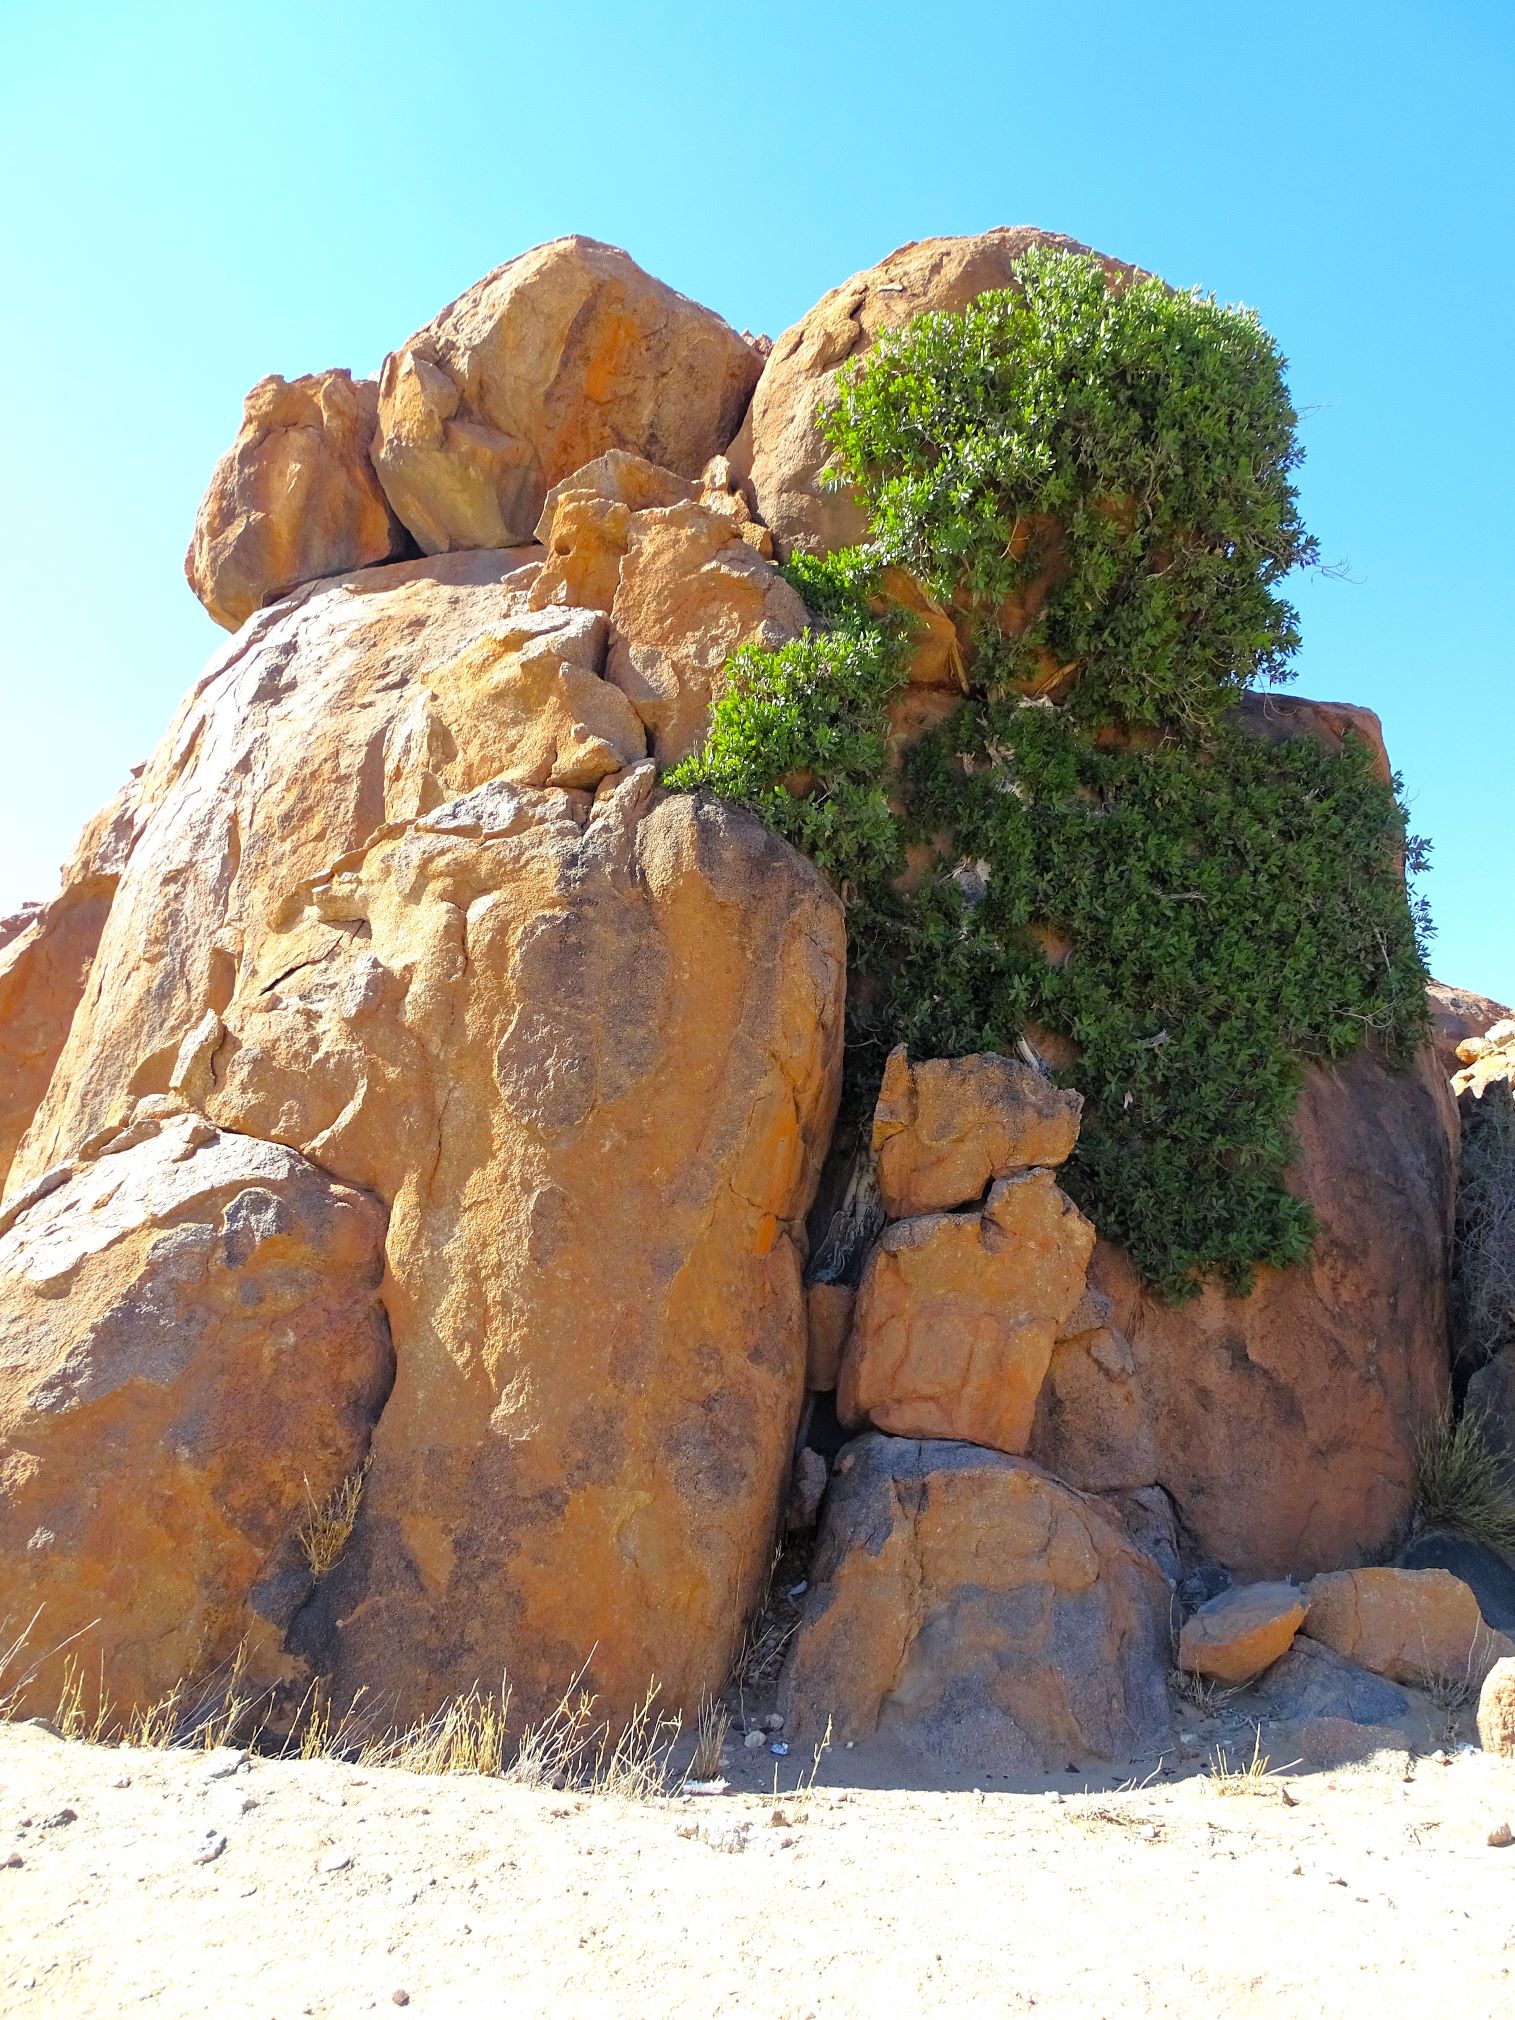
[957, 1315]
[1457, 1014]
[564, 353]
[691, 590]
[970, 1609]
[1236, 1635]
[944, 1128]
[599, 1116]
[45, 960]
[192, 1349]
[1312, 1682]
[780, 451]
[1284, 1423]
[1496, 1709]
[1416, 1627]
[586, 1047]
[295, 497]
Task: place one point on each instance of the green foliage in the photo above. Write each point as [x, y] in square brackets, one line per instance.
[1199, 910]
[1137, 444]
[800, 735]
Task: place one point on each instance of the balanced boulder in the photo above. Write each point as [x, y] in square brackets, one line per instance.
[294, 498]
[561, 354]
[944, 1128]
[965, 1607]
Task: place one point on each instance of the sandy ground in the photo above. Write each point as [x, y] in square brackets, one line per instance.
[341, 1891]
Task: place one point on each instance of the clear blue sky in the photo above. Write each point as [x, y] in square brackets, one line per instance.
[199, 194]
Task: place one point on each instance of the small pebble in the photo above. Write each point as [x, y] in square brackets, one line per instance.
[15, 1859]
[1500, 1836]
[774, 1721]
[62, 1817]
[799, 1591]
[399, 1996]
[754, 1739]
[335, 1862]
[210, 1847]
[779, 1748]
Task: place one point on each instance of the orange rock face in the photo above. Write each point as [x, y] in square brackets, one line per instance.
[558, 356]
[690, 591]
[1235, 1636]
[957, 1315]
[191, 1349]
[1284, 1423]
[943, 1128]
[583, 1044]
[966, 1607]
[45, 960]
[781, 452]
[294, 498]
[1416, 1627]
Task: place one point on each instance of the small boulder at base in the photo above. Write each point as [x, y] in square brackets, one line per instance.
[561, 354]
[1496, 1709]
[1417, 1627]
[294, 498]
[944, 1128]
[192, 1351]
[969, 1609]
[1236, 1635]
[957, 1315]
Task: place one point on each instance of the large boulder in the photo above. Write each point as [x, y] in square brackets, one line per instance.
[591, 1053]
[966, 1607]
[1416, 1627]
[1284, 1422]
[561, 354]
[45, 956]
[346, 707]
[192, 1357]
[781, 452]
[294, 498]
[584, 1044]
[957, 1315]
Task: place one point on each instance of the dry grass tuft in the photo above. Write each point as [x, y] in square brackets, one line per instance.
[328, 1524]
[1203, 1693]
[466, 1737]
[1462, 1484]
[1256, 1778]
[710, 1740]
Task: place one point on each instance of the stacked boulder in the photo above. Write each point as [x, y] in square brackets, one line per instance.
[964, 1604]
